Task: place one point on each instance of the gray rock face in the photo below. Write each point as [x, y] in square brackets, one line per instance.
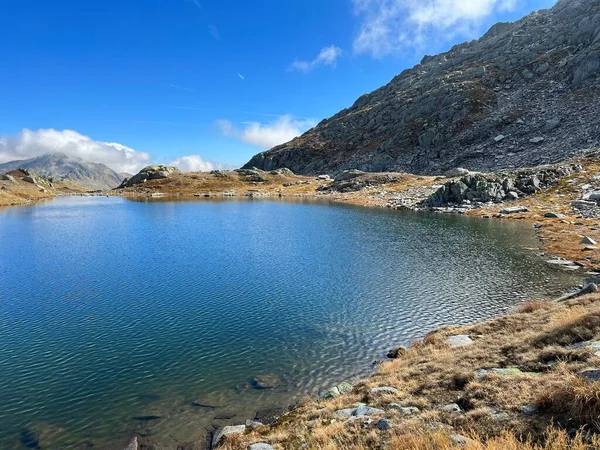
[499, 187]
[351, 181]
[150, 173]
[529, 81]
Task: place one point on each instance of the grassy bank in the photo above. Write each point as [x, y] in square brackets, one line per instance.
[16, 190]
[517, 386]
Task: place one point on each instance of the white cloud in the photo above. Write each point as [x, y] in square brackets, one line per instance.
[242, 77]
[29, 144]
[327, 57]
[389, 25]
[280, 131]
[194, 163]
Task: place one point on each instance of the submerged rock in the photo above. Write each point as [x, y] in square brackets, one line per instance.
[265, 382]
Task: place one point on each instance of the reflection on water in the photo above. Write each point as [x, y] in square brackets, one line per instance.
[120, 317]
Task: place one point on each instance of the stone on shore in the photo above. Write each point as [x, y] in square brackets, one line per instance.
[336, 391]
[385, 390]
[133, 444]
[397, 352]
[226, 431]
[553, 215]
[461, 340]
[260, 446]
[514, 210]
[452, 407]
[587, 345]
[588, 241]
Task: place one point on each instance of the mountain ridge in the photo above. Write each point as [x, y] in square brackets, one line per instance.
[94, 176]
[521, 95]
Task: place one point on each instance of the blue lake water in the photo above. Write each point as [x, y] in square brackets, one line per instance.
[120, 317]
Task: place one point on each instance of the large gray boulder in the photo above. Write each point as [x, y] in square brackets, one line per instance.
[156, 172]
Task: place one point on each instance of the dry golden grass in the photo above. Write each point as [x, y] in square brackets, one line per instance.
[431, 374]
[23, 193]
[533, 306]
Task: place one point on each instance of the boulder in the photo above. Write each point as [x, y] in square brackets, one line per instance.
[591, 375]
[7, 177]
[403, 410]
[553, 215]
[226, 431]
[260, 446]
[397, 352]
[385, 390]
[284, 172]
[265, 382]
[349, 174]
[457, 172]
[452, 407]
[156, 172]
[460, 340]
[133, 444]
[588, 241]
[363, 410]
[514, 210]
[383, 424]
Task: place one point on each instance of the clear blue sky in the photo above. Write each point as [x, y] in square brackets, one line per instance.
[210, 78]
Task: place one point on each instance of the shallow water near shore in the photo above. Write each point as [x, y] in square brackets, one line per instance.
[120, 317]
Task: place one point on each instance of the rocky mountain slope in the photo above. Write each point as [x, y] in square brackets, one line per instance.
[62, 167]
[526, 93]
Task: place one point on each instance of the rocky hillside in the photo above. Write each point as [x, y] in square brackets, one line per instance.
[59, 166]
[524, 94]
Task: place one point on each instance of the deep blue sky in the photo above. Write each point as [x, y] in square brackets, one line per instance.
[161, 76]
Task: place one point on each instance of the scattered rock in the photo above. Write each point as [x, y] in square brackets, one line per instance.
[553, 215]
[458, 440]
[252, 424]
[383, 424]
[404, 410]
[458, 172]
[363, 410]
[336, 391]
[226, 431]
[133, 444]
[591, 375]
[342, 413]
[397, 352]
[537, 140]
[260, 446]
[514, 210]
[156, 172]
[452, 407]
[530, 410]
[459, 341]
[588, 241]
[385, 390]
[284, 172]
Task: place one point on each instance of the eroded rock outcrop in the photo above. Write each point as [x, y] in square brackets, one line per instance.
[157, 172]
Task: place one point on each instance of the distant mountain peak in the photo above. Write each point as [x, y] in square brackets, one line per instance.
[94, 176]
